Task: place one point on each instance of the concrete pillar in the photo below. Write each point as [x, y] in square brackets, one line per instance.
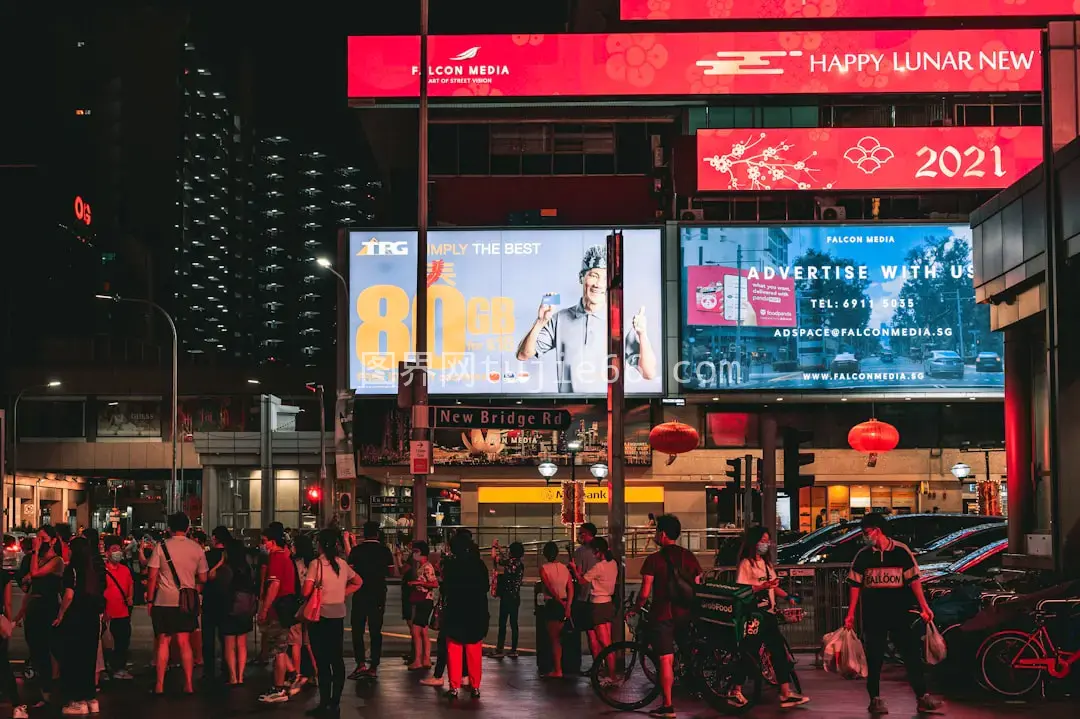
[210, 498]
[1019, 436]
[1065, 497]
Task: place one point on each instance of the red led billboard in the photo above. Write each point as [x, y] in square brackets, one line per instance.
[881, 158]
[825, 9]
[741, 63]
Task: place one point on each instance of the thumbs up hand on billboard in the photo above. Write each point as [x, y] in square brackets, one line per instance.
[639, 323]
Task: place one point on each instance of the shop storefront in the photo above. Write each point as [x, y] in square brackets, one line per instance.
[534, 511]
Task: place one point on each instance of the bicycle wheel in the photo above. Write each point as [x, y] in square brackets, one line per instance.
[996, 657]
[634, 685]
[718, 672]
[768, 672]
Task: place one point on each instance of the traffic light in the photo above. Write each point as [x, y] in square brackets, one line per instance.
[735, 472]
[314, 499]
[794, 460]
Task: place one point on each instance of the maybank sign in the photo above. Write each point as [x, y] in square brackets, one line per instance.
[553, 495]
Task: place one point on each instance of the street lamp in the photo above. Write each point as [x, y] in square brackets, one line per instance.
[51, 384]
[253, 381]
[174, 487]
[547, 471]
[573, 447]
[600, 471]
[961, 470]
[329, 266]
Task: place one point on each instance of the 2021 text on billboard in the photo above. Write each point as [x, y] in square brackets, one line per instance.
[520, 312]
[833, 308]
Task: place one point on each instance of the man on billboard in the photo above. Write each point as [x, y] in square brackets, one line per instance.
[579, 333]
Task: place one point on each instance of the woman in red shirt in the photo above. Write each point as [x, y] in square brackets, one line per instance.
[119, 595]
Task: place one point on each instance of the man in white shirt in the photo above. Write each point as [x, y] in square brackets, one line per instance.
[188, 565]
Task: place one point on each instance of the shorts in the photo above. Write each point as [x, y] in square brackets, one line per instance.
[171, 621]
[279, 638]
[582, 614]
[602, 613]
[553, 611]
[664, 635]
[421, 612]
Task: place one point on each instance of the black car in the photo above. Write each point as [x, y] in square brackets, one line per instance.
[989, 362]
[982, 562]
[961, 542]
[791, 553]
[914, 530]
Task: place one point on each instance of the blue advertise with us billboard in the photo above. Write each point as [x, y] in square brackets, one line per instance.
[840, 308]
[511, 312]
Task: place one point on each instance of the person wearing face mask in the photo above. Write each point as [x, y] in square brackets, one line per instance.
[885, 580]
[42, 605]
[422, 591]
[756, 571]
[119, 596]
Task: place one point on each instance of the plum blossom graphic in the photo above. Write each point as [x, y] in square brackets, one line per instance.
[765, 166]
[702, 84]
[810, 8]
[819, 134]
[658, 9]
[527, 39]
[869, 155]
[875, 77]
[998, 80]
[808, 41]
[477, 89]
[720, 8]
[634, 59]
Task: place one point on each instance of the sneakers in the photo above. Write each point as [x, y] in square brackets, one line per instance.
[878, 706]
[497, 654]
[513, 654]
[75, 709]
[432, 682]
[20, 712]
[122, 674]
[736, 698]
[297, 686]
[792, 700]
[93, 707]
[928, 704]
[358, 672]
[667, 712]
[275, 697]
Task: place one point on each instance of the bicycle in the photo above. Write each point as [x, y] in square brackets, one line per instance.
[715, 663]
[792, 615]
[1014, 662]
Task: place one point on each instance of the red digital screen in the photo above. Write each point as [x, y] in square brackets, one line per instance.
[731, 429]
[725, 297]
[825, 9]
[742, 63]
[880, 158]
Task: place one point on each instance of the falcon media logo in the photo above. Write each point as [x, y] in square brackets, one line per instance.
[746, 63]
[458, 69]
[467, 55]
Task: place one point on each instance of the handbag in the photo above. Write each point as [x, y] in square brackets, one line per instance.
[189, 597]
[108, 641]
[287, 608]
[311, 608]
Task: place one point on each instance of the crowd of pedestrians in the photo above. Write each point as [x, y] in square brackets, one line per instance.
[209, 593]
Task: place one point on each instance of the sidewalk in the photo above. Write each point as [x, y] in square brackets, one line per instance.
[512, 690]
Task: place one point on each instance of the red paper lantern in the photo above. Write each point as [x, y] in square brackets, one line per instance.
[872, 437]
[673, 438]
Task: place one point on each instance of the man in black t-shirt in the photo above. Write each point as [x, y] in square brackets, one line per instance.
[885, 577]
[372, 560]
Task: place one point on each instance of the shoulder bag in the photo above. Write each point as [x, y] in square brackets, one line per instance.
[107, 640]
[311, 608]
[287, 607]
[189, 596]
[680, 591]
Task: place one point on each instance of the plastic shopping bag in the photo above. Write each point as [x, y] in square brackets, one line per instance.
[935, 645]
[843, 654]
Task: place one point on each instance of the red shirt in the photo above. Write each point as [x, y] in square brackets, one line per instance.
[656, 565]
[116, 597]
[280, 568]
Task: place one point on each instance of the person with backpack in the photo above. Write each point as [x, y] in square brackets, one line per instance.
[79, 622]
[668, 577]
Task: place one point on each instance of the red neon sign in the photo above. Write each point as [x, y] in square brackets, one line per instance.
[82, 211]
[680, 64]
[883, 158]
[825, 9]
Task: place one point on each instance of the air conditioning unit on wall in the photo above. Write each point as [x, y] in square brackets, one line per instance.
[828, 210]
[693, 215]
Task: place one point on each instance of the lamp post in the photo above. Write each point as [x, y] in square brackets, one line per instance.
[960, 470]
[15, 440]
[600, 471]
[547, 471]
[172, 503]
[328, 266]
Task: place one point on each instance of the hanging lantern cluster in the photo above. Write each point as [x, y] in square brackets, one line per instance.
[674, 438]
[873, 438]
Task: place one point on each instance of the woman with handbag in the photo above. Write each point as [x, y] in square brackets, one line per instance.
[119, 597]
[329, 581]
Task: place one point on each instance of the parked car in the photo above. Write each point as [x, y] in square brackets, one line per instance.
[914, 530]
[943, 363]
[790, 553]
[844, 363]
[983, 562]
[12, 552]
[988, 362]
[960, 543]
[887, 356]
